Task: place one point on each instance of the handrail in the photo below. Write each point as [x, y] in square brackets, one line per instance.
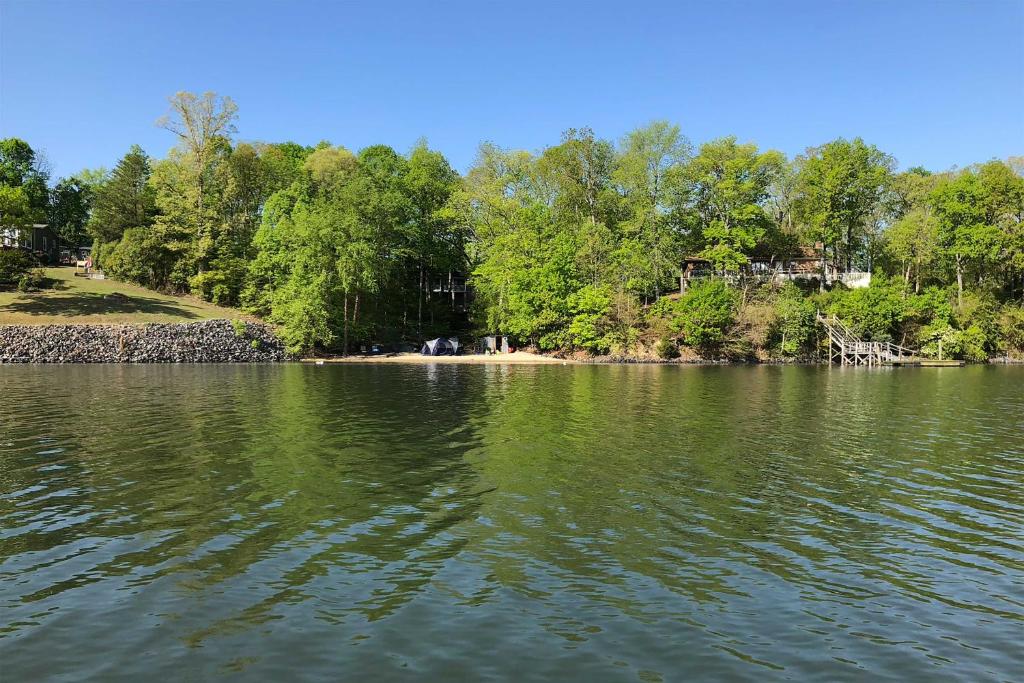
[847, 342]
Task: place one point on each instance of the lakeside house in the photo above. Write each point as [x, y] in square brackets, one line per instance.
[38, 239]
[805, 265]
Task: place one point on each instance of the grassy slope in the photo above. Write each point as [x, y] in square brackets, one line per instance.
[78, 301]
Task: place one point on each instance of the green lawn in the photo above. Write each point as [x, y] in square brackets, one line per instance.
[79, 300]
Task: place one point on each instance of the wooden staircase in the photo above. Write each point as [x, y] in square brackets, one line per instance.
[846, 348]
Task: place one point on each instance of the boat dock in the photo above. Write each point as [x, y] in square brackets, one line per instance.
[846, 348]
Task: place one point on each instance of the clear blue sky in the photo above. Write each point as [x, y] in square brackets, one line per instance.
[933, 83]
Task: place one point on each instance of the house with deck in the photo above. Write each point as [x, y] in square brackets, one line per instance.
[806, 264]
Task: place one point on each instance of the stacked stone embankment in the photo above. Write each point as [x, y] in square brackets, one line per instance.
[211, 341]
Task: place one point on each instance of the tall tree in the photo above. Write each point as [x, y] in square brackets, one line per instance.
[70, 202]
[23, 193]
[437, 236]
[649, 173]
[965, 234]
[203, 125]
[840, 186]
[1004, 209]
[126, 200]
[580, 168]
[21, 166]
[730, 185]
[913, 242]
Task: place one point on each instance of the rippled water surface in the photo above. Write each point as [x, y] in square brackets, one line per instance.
[511, 523]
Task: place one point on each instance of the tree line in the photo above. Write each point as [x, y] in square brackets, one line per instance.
[576, 247]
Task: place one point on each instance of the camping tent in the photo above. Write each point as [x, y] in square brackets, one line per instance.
[440, 347]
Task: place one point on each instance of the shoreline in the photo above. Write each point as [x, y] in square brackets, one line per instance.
[412, 358]
[233, 341]
[525, 358]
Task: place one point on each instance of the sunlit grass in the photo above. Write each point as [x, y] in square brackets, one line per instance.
[79, 300]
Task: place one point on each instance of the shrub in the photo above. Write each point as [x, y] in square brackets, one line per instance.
[1011, 328]
[666, 349]
[31, 281]
[700, 317]
[588, 327]
[141, 257]
[222, 283]
[128, 258]
[874, 313]
[793, 329]
[14, 264]
[704, 313]
[966, 344]
[101, 252]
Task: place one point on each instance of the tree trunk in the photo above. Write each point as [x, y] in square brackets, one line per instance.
[344, 337]
[824, 269]
[355, 312]
[959, 280]
[849, 247]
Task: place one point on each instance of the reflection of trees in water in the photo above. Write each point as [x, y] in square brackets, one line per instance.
[286, 472]
[711, 481]
[256, 489]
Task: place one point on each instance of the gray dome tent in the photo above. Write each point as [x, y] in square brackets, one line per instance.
[440, 347]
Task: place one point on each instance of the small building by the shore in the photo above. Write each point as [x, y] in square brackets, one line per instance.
[498, 343]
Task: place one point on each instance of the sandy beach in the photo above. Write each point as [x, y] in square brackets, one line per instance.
[519, 357]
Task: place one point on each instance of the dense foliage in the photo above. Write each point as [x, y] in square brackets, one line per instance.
[575, 248]
[15, 265]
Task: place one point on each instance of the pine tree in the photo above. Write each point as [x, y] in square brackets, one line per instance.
[126, 200]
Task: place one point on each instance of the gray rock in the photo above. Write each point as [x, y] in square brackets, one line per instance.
[211, 341]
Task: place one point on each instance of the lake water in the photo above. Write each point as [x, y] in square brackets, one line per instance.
[450, 523]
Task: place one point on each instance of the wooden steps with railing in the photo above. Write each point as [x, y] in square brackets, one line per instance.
[846, 348]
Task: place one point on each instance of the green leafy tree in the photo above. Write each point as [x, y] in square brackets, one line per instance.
[1004, 208]
[913, 242]
[437, 233]
[21, 166]
[23, 192]
[589, 308]
[580, 171]
[649, 175]
[965, 234]
[189, 196]
[283, 163]
[840, 187]
[338, 255]
[16, 212]
[68, 214]
[730, 184]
